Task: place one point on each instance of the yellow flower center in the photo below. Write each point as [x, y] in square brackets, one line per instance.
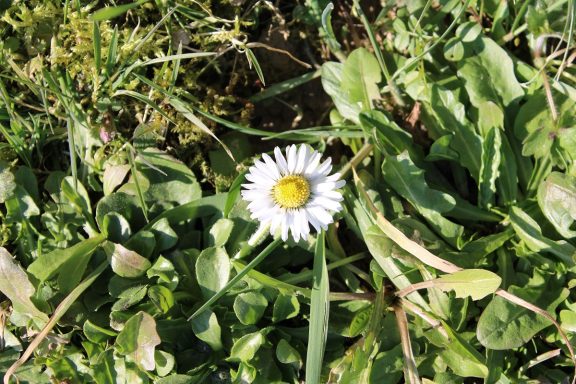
[291, 191]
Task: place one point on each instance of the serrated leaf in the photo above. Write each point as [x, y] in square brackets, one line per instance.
[489, 169]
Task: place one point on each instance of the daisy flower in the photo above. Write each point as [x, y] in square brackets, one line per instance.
[293, 191]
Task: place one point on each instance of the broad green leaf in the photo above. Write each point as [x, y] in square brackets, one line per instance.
[568, 320]
[164, 362]
[21, 206]
[127, 263]
[161, 297]
[45, 266]
[15, 285]
[286, 307]
[476, 283]
[387, 367]
[116, 227]
[165, 236]
[319, 304]
[95, 333]
[529, 231]
[444, 114]
[113, 176]
[408, 181]
[246, 347]
[458, 354]
[536, 127]
[454, 49]
[490, 115]
[388, 135]
[557, 200]
[331, 82]
[360, 77]
[212, 270]
[491, 150]
[207, 329]
[105, 370]
[489, 74]
[138, 339]
[130, 297]
[164, 177]
[220, 232]
[504, 325]
[249, 307]
[286, 354]
[469, 31]
[77, 195]
[164, 270]
[122, 204]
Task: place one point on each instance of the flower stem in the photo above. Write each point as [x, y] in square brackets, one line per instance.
[357, 159]
[257, 260]
[257, 238]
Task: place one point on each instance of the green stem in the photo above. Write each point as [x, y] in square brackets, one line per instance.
[257, 260]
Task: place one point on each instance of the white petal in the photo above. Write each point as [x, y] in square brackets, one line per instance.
[291, 153]
[314, 160]
[325, 186]
[260, 180]
[302, 158]
[276, 220]
[304, 227]
[295, 228]
[320, 214]
[313, 220]
[253, 194]
[281, 161]
[272, 166]
[325, 167]
[284, 226]
[332, 195]
[326, 203]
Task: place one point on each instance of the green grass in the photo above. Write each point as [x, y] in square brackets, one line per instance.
[128, 255]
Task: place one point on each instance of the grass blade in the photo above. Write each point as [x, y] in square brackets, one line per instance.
[108, 13]
[319, 303]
